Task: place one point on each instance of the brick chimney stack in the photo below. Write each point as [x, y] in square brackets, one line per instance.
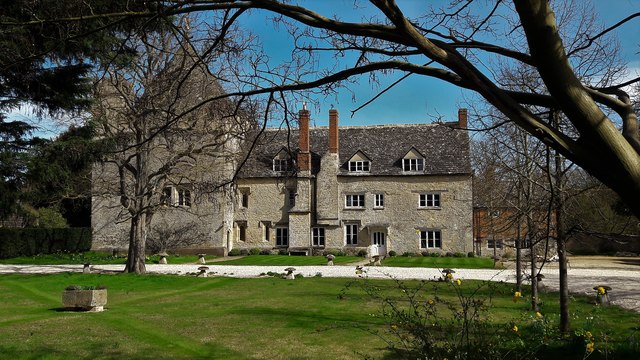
[462, 118]
[333, 131]
[304, 158]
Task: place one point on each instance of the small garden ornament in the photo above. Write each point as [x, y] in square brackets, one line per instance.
[330, 258]
[203, 271]
[290, 271]
[201, 259]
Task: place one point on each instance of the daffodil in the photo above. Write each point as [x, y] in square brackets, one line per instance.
[449, 276]
[588, 335]
[515, 328]
[458, 282]
[602, 290]
[430, 302]
[538, 314]
[590, 347]
[516, 296]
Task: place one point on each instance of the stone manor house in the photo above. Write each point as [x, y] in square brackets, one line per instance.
[406, 188]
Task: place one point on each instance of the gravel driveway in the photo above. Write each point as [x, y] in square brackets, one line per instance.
[584, 273]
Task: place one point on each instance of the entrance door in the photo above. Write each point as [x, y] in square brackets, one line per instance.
[378, 241]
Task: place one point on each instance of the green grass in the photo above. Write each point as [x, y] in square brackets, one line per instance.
[171, 317]
[439, 262]
[283, 260]
[93, 257]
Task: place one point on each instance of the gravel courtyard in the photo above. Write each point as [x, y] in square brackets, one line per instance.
[620, 273]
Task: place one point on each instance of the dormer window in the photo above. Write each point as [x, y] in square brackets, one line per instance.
[280, 165]
[359, 166]
[413, 164]
[359, 163]
[413, 161]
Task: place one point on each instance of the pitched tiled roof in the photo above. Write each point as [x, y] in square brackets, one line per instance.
[446, 149]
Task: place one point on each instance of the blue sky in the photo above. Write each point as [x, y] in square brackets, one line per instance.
[420, 99]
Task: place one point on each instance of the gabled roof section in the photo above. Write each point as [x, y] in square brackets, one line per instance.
[444, 148]
[284, 153]
[413, 153]
[359, 156]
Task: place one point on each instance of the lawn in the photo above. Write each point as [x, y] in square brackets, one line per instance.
[93, 257]
[439, 262]
[284, 260]
[172, 317]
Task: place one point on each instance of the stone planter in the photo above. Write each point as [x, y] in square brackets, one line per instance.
[92, 300]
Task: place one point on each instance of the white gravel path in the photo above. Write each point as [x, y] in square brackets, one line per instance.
[625, 283]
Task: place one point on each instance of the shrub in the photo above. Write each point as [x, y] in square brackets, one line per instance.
[392, 253]
[408, 254]
[265, 252]
[362, 253]
[234, 252]
[283, 251]
[471, 254]
[341, 253]
[298, 276]
[425, 253]
[244, 252]
[254, 251]
[448, 254]
[32, 241]
[459, 255]
[435, 254]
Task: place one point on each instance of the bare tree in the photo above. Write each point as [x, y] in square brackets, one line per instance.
[168, 150]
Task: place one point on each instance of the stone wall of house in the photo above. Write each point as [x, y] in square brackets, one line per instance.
[267, 208]
[401, 218]
[198, 226]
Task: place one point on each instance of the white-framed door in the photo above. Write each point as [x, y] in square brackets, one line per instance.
[379, 242]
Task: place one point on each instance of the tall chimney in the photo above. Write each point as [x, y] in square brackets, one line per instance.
[462, 118]
[304, 163]
[333, 131]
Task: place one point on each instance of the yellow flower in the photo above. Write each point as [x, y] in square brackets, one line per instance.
[430, 302]
[538, 314]
[458, 282]
[590, 347]
[394, 327]
[515, 328]
[449, 276]
[588, 335]
[602, 290]
[516, 296]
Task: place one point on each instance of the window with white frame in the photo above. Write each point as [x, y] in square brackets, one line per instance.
[413, 164]
[351, 234]
[354, 201]
[281, 165]
[282, 236]
[184, 197]
[430, 239]
[494, 244]
[317, 236]
[429, 200]
[378, 201]
[359, 166]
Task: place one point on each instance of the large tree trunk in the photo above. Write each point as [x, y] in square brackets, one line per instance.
[137, 243]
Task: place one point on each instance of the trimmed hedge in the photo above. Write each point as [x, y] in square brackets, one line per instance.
[16, 242]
